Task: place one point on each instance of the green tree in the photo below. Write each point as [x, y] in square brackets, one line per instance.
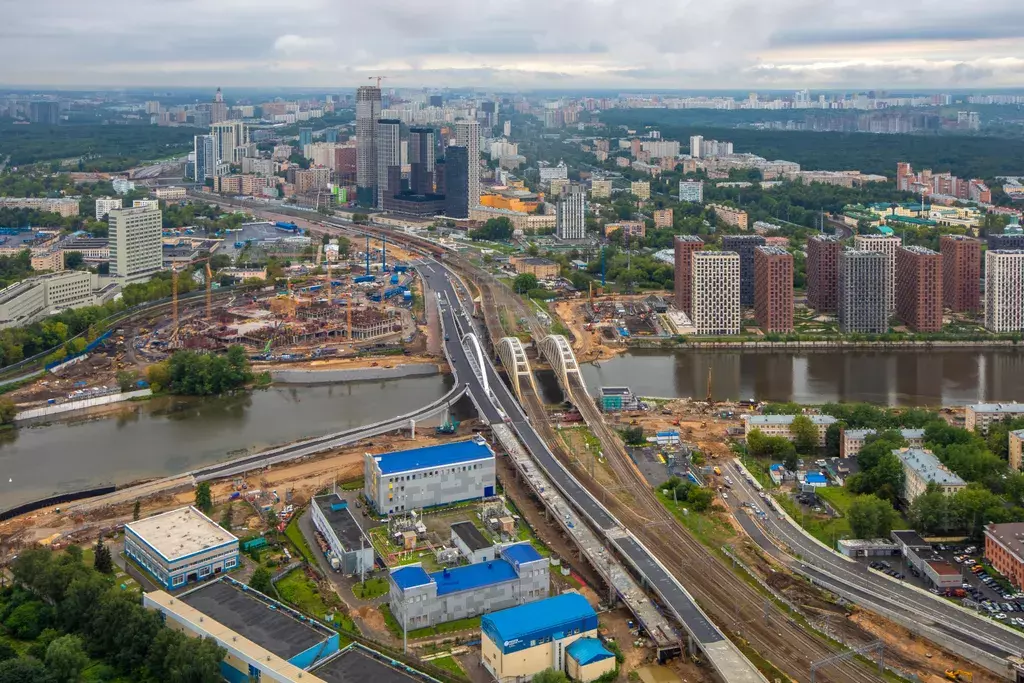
[871, 517]
[633, 436]
[360, 218]
[27, 620]
[700, 499]
[66, 658]
[524, 282]
[204, 499]
[805, 435]
[7, 411]
[932, 512]
[833, 438]
[24, 670]
[102, 561]
[126, 379]
[137, 510]
[494, 230]
[7, 651]
[73, 259]
[260, 581]
[548, 676]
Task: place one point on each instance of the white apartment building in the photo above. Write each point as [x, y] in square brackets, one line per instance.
[570, 217]
[504, 148]
[696, 146]
[146, 204]
[659, 149]
[782, 425]
[716, 292]
[35, 298]
[320, 154]
[105, 206]
[260, 167]
[1004, 290]
[230, 140]
[549, 173]
[136, 245]
[980, 415]
[170, 194]
[887, 245]
[467, 134]
[691, 191]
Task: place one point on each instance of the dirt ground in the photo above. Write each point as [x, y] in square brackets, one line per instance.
[587, 345]
[351, 363]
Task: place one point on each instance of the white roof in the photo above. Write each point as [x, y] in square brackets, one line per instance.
[180, 533]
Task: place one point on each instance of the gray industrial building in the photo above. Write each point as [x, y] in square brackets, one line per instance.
[473, 545]
[351, 551]
[745, 246]
[863, 292]
[517, 576]
[429, 477]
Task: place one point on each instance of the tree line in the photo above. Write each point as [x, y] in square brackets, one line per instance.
[201, 374]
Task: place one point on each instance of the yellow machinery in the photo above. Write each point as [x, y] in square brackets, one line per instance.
[958, 675]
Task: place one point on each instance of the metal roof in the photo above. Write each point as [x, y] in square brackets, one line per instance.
[587, 651]
[473, 576]
[471, 536]
[928, 466]
[434, 456]
[520, 553]
[1007, 408]
[410, 576]
[561, 613]
[788, 419]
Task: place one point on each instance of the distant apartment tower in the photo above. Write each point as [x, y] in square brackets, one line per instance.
[600, 189]
[45, 111]
[919, 288]
[206, 158]
[1005, 240]
[663, 218]
[305, 137]
[105, 205]
[696, 144]
[691, 191]
[773, 285]
[467, 134]
[136, 243]
[863, 292]
[389, 155]
[685, 245]
[219, 108]
[961, 273]
[368, 105]
[230, 139]
[641, 189]
[1004, 290]
[421, 160]
[744, 245]
[570, 219]
[716, 292]
[823, 272]
[456, 182]
[887, 245]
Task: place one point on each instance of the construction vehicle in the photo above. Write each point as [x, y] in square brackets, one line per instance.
[448, 428]
[958, 675]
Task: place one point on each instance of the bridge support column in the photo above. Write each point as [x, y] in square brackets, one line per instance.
[412, 428]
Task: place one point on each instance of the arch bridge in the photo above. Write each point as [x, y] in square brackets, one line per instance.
[558, 352]
[513, 357]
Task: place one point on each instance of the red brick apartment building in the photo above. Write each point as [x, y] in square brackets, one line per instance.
[919, 288]
[773, 289]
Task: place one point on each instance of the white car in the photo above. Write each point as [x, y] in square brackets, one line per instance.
[1000, 616]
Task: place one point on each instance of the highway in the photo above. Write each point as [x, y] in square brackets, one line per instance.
[865, 586]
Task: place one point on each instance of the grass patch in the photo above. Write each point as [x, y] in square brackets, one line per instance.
[826, 529]
[370, 589]
[450, 665]
[711, 529]
[299, 591]
[468, 624]
[838, 497]
[294, 534]
[556, 573]
[394, 628]
[353, 485]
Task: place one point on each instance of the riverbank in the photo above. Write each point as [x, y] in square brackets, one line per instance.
[328, 375]
[825, 345]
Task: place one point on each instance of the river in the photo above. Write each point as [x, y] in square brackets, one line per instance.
[925, 377]
[170, 435]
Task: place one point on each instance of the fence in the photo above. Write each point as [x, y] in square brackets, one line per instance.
[79, 405]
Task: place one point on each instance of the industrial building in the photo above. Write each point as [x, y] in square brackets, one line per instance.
[350, 551]
[917, 551]
[864, 287]
[883, 244]
[919, 288]
[418, 599]
[473, 545]
[980, 415]
[180, 547]
[823, 272]
[685, 245]
[263, 639]
[780, 425]
[559, 633]
[921, 468]
[773, 289]
[745, 245]
[1004, 290]
[356, 663]
[853, 440]
[428, 477]
[961, 273]
[716, 292]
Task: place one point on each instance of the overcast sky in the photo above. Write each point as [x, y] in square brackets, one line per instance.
[505, 44]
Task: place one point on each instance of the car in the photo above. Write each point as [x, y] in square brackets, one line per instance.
[934, 590]
[965, 585]
[1000, 616]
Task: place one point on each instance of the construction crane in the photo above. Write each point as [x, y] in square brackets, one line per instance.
[209, 289]
[376, 78]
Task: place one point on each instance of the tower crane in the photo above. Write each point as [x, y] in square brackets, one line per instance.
[209, 289]
[376, 78]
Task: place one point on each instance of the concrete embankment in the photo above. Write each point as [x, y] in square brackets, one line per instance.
[85, 404]
[697, 344]
[331, 376]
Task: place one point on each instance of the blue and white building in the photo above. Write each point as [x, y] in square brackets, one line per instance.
[180, 547]
[517, 576]
[429, 477]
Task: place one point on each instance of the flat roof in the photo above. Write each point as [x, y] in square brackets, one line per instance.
[180, 533]
[997, 407]
[410, 576]
[587, 651]
[943, 568]
[471, 536]
[356, 665]
[341, 520]
[434, 456]
[520, 553]
[865, 433]
[910, 538]
[471, 576]
[788, 419]
[549, 615]
[927, 466]
[259, 619]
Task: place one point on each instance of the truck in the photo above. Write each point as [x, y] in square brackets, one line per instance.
[284, 225]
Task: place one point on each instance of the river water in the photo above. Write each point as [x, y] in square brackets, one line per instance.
[171, 435]
[911, 377]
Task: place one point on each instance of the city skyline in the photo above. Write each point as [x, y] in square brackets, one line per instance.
[792, 44]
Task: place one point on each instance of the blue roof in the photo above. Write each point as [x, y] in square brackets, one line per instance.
[816, 477]
[473, 576]
[513, 628]
[776, 466]
[408, 577]
[520, 553]
[433, 456]
[587, 651]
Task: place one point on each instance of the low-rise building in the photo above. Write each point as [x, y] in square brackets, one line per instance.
[559, 633]
[351, 550]
[52, 260]
[65, 206]
[853, 440]
[170, 194]
[1015, 449]
[35, 298]
[628, 228]
[180, 547]
[600, 189]
[541, 267]
[921, 468]
[418, 599]
[980, 415]
[641, 189]
[730, 216]
[1004, 548]
[94, 250]
[780, 425]
[471, 542]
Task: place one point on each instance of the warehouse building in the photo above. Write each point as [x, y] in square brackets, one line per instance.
[351, 551]
[517, 576]
[429, 477]
[180, 547]
[263, 639]
[559, 633]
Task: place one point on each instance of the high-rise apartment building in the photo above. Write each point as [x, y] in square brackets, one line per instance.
[691, 191]
[389, 153]
[961, 273]
[136, 243]
[773, 296]
[421, 160]
[219, 108]
[368, 106]
[716, 292]
[887, 245]
[744, 245]
[1011, 239]
[206, 158]
[1004, 290]
[456, 182]
[864, 284]
[570, 221]
[305, 137]
[685, 245]
[467, 134]
[919, 288]
[45, 112]
[823, 272]
[696, 145]
[230, 141]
